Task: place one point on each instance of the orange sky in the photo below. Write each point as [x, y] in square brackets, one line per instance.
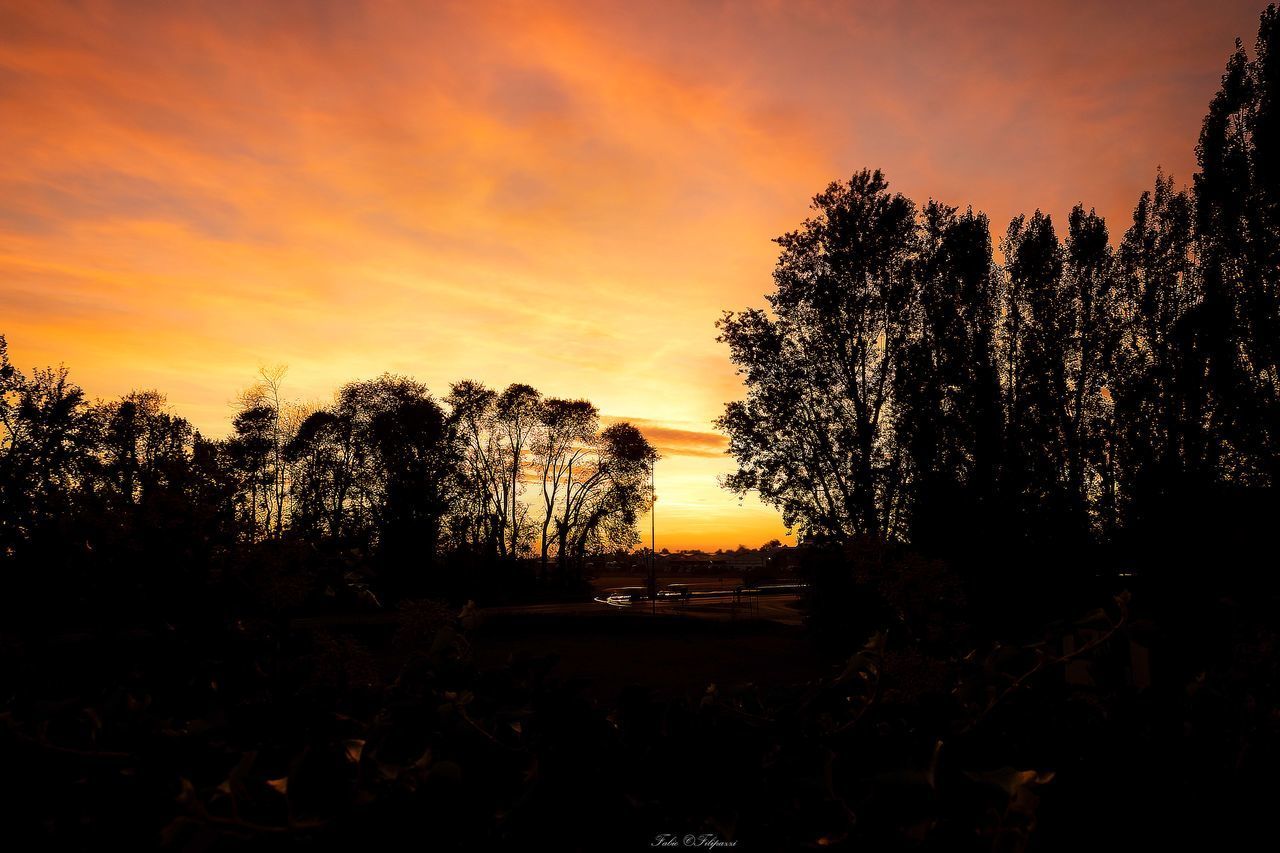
[566, 195]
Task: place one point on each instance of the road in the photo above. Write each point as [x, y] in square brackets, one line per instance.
[717, 604]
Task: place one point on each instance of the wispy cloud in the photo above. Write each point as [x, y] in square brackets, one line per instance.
[671, 441]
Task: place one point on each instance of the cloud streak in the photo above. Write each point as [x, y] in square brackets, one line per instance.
[671, 441]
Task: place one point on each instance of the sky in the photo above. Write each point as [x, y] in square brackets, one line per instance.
[566, 195]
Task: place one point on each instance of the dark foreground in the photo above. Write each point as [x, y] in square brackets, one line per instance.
[601, 730]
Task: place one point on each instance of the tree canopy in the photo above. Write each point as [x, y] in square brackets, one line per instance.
[907, 384]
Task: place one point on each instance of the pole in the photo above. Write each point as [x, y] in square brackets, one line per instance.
[653, 542]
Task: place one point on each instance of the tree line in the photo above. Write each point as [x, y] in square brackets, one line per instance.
[386, 477]
[908, 384]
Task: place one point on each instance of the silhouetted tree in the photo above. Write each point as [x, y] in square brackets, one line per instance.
[416, 458]
[561, 446]
[516, 415]
[46, 433]
[1237, 327]
[1089, 279]
[478, 521]
[251, 448]
[603, 501]
[322, 453]
[1156, 398]
[141, 444]
[811, 437]
[947, 387]
[1036, 338]
[272, 422]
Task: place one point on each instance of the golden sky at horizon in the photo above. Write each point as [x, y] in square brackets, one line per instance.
[561, 194]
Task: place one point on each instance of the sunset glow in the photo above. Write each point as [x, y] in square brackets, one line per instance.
[563, 195]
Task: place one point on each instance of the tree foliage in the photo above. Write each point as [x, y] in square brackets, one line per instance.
[386, 480]
[904, 386]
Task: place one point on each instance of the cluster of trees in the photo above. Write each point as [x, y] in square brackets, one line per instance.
[910, 385]
[390, 478]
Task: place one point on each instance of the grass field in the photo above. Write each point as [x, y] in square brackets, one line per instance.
[670, 654]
